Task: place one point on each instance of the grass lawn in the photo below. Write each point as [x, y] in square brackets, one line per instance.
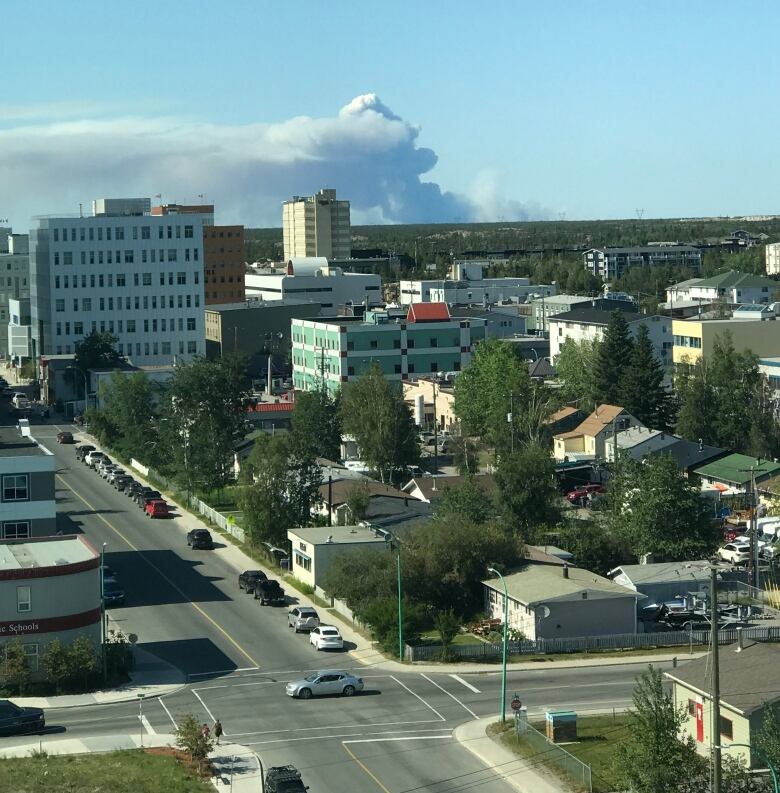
[432, 637]
[112, 772]
[598, 739]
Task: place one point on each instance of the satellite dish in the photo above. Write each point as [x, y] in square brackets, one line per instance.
[543, 612]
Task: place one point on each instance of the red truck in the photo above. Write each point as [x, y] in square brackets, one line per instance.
[157, 508]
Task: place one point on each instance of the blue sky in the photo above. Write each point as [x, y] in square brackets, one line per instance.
[488, 111]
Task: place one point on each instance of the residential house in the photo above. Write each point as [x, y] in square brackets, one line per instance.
[314, 549]
[749, 683]
[557, 602]
[637, 442]
[590, 324]
[695, 338]
[541, 369]
[734, 473]
[660, 582]
[587, 441]
[612, 263]
[334, 497]
[544, 307]
[690, 455]
[731, 287]
[431, 488]
[564, 419]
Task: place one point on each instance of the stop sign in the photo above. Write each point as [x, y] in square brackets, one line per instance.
[516, 704]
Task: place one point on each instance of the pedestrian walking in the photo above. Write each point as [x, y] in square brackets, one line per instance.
[217, 730]
[205, 731]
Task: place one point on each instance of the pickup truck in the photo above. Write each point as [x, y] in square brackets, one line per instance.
[156, 508]
[269, 593]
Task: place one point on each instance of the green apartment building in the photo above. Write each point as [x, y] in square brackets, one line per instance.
[405, 345]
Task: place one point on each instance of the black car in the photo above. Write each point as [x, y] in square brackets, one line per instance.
[113, 594]
[200, 539]
[249, 578]
[269, 593]
[284, 779]
[133, 488]
[147, 497]
[15, 720]
[122, 482]
[83, 450]
[142, 496]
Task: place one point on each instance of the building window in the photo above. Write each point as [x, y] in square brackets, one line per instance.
[181, 278]
[691, 707]
[192, 347]
[726, 728]
[350, 370]
[23, 598]
[59, 304]
[303, 561]
[188, 232]
[16, 530]
[16, 487]
[434, 342]
[31, 656]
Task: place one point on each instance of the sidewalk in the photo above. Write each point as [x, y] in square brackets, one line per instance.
[152, 677]
[234, 764]
[508, 766]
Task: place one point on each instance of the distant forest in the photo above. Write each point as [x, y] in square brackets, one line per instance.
[544, 250]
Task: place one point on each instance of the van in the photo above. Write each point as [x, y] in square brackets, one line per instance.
[20, 400]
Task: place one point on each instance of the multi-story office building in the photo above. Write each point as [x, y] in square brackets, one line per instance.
[404, 344]
[122, 270]
[313, 279]
[756, 330]
[317, 225]
[14, 280]
[611, 263]
[223, 254]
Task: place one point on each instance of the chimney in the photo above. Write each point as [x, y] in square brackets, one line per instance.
[740, 641]
[701, 445]
[330, 538]
[566, 571]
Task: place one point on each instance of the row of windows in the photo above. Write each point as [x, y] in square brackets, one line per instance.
[143, 232]
[149, 348]
[116, 257]
[434, 367]
[130, 326]
[139, 279]
[688, 341]
[134, 303]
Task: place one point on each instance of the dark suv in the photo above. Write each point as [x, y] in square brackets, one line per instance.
[269, 593]
[200, 539]
[14, 719]
[284, 779]
[249, 578]
[83, 450]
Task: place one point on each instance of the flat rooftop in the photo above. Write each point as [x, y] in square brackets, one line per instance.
[44, 552]
[337, 535]
[12, 444]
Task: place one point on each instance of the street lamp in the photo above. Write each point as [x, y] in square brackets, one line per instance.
[761, 754]
[503, 654]
[103, 630]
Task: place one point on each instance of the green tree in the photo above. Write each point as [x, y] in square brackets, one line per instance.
[375, 414]
[643, 393]
[469, 498]
[82, 660]
[202, 417]
[358, 501]
[281, 489]
[346, 577]
[611, 360]
[56, 664]
[575, 366]
[128, 416]
[382, 617]
[526, 486]
[316, 425]
[697, 404]
[189, 737]
[593, 546]
[653, 758]
[97, 350]
[15, 669]
[447, 626]
[653, 509]
[494, 382]
[768, 736]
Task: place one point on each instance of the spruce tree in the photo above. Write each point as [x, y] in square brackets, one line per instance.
[642, 390]
[612, 358]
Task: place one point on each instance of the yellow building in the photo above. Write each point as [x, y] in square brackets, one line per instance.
[695, 338]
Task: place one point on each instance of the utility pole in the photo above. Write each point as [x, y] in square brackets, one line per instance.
[754, 527]
[511, 419]
[435, 429]
[400, 606]
[715, 770]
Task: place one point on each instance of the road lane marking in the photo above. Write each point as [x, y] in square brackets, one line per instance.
[402, 738]
[165, 708]
[205, 706]
[224, 671]
[161, 574]
[392, 677]
[148, 727]
[465, 683]
[365, 768]
[340, 727]
[465, 707]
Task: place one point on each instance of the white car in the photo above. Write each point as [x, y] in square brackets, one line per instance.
[735, 552]
[326, 637]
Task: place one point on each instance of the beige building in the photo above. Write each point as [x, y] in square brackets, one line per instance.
[695, 338]
[588, 440]
[749, 682]
[419, 395]
[317, 225]
[49, 589]
[772, 258]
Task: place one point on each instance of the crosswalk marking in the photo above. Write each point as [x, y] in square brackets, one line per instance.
[466, 683]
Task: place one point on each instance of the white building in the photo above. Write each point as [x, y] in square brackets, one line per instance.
[772, 252]
[14, 280]
[124, 271]
[313, 279]
[317, 225]
[588, 324]
[467, 286]
[611, 263]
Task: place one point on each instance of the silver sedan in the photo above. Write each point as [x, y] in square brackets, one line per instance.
[320, 684]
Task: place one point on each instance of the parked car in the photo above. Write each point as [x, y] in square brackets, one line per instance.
[326, 637]
[269, 593]
[65, 437]
[93, 457]
[249, 578]
[302, 618]
[147, 494]
[736, 553]
[107, 471]
[200, 539]
[319, 684]
[15, 720]
[284, 779]
[83, 450]
[109, 572]
[113, 594]
[121, 482]
[581, 492]
[156, 508]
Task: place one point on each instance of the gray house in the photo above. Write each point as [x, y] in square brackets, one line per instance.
[663, 581]
[562, 602]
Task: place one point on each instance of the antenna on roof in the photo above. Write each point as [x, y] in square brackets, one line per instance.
[639, 213]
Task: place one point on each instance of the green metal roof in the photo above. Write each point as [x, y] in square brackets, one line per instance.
[732, 278]
[734, 469]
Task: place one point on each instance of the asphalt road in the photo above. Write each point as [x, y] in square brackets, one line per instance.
[185, 606]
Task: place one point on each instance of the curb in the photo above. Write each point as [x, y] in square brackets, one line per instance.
[121, 696]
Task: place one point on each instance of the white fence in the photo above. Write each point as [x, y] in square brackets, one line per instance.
[227, 524]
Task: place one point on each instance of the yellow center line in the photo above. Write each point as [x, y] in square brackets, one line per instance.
[160, 573]
[365, 768]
